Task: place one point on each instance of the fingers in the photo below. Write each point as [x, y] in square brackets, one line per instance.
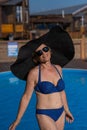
[13, 126]
[69, 120]
[69, 117]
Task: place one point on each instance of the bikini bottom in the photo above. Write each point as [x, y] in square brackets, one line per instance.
[52, 113]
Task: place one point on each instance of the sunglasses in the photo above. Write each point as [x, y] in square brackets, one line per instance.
[40, 52]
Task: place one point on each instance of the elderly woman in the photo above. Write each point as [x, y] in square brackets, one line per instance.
[46, 79]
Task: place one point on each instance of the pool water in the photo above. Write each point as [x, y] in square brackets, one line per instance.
[11, 90]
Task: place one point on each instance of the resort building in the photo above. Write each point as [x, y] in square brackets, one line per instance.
[73, 18]
[14, 18]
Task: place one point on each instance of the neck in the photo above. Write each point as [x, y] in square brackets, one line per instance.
[46, 65]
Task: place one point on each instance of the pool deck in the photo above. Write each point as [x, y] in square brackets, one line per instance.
[75, 63]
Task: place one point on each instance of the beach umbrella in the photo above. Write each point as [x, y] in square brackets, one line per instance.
[57, 39]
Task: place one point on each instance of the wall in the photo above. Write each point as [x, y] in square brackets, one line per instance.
[4, 51]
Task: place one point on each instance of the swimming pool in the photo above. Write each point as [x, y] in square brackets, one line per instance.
[11, 90]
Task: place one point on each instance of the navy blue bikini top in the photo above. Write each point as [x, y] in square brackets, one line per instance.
[46, 87]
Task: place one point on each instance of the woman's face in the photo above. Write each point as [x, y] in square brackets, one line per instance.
[44, 53]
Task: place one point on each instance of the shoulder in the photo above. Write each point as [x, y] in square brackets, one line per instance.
[59, 68]
[32, 75]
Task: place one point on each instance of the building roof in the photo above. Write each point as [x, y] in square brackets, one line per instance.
[11, 2]
[61, 11]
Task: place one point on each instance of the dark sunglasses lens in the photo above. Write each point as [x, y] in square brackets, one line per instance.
[39, 53]
[45, 49]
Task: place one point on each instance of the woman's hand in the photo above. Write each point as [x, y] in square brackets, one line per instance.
[69, 117]
[14, 125]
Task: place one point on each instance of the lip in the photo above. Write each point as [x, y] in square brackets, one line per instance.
[45, 55]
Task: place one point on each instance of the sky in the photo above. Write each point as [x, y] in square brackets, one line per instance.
[44, 5]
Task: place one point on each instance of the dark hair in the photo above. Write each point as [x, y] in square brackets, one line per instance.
[35, 59]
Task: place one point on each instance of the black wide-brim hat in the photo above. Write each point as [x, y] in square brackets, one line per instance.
[57, 39]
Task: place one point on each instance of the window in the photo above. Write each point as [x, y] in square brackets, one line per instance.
[26, 16]
[19, 17]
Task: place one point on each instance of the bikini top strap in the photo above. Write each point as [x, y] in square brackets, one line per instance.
[57, 71]
[39, 74]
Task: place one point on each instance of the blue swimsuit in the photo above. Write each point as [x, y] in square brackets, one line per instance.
[46, 87]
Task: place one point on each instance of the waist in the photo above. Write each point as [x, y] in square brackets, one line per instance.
[49, 100]
[44, 111]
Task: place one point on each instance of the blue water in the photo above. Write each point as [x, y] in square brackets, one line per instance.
[11, 90]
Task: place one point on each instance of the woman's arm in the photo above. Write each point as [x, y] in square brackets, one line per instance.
[64, 100]
[68, 115]
[25, 99]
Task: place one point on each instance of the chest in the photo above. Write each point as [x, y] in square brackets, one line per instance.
[50, 75]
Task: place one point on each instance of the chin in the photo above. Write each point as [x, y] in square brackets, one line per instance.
[45, 61]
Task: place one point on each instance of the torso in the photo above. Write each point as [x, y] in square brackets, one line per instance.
[48, 88]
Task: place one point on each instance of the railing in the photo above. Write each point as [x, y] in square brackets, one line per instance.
[82, 43]
[79, 44]
[75, 34]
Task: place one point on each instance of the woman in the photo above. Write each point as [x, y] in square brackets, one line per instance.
[46, 79]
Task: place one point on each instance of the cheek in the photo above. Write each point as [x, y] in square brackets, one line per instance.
[47, 56]
[50, 54]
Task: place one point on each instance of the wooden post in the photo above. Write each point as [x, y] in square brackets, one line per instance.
[0, 20]
[31, 35]
[82, 48]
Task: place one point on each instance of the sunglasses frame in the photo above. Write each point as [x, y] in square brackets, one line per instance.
[40, 52]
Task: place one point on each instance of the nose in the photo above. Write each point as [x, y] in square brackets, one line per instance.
[43, 53]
